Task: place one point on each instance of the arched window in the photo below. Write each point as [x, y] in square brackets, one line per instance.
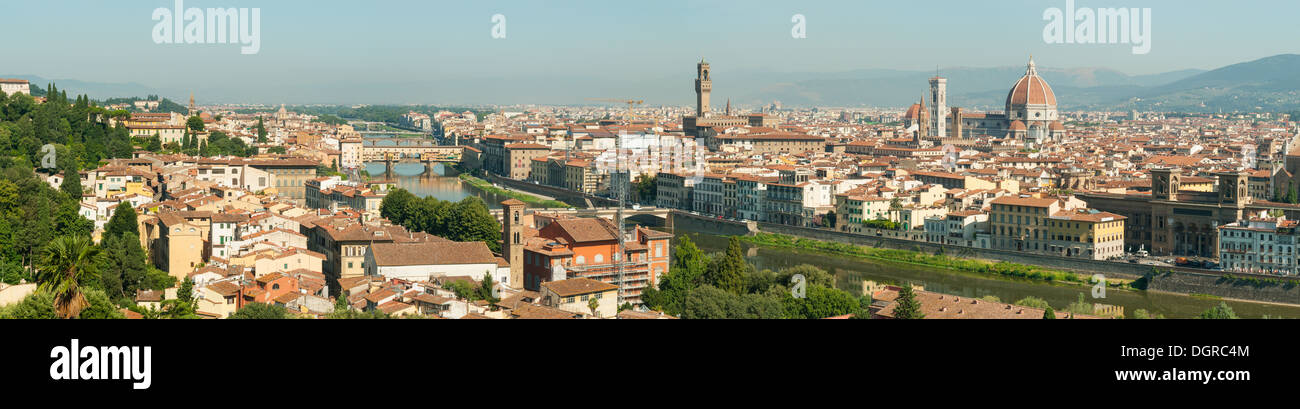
[599, 259]
[580, 260]
[275, 286]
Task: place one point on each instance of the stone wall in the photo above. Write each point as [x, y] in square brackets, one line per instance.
[1174, 280]
[1284, 291]
[1081, 266]
[711, 225]
[573, 198]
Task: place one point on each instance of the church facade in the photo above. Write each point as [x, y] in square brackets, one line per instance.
[1031, 114]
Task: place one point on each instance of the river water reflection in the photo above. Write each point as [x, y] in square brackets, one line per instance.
[850, 272]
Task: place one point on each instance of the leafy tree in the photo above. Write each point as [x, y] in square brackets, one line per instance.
[1142, 314]
[485, 290]
[125, 268]
[1219, 312]
[646, 188]
[71, 183]
[812, 275]
[728, 272]
[471, 221]
[40, 305]
[341, 303]
[11, 272]
[65, 262]
[828, 219]
[1033, 302]
[260, 311]
[820, 302]
[708, 302]
[906, 306]
[1049, 314]
[686, 273]
[463, 290]
[122, 222]
[194, 124]
[1081, 306]
[186, 293]
[154, 144]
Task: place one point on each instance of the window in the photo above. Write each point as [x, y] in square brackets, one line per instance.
[581, 260]
[275, 286]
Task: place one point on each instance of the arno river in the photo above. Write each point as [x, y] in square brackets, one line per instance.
[850, 272]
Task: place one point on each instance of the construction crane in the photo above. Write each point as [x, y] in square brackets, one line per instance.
[631, 103]
[618, 191]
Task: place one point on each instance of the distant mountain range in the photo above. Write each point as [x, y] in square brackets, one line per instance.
[1268, 84]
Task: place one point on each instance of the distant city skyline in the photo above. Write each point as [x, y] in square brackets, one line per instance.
[442, 52]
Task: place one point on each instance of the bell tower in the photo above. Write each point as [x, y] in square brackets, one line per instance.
[512, 241]
[1233, 189]
[1164, 183]
[703, 87]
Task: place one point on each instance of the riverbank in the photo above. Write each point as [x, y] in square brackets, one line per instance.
[982, 267]
[531, 200]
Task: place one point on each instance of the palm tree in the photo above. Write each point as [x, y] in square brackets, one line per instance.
[63, 264]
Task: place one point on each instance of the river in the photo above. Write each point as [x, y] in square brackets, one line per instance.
[850, 272]
[442, 183]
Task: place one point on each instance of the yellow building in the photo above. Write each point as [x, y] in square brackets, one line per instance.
[1086, 233]
[179, 247]
[1020, 223]
[1053, 226]
[853, 210]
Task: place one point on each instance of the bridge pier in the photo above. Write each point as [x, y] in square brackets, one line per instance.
[388, 168]
[428, 168]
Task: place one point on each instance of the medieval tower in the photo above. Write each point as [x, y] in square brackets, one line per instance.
[703, 86]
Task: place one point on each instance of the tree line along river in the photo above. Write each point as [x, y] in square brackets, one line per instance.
[850, 272]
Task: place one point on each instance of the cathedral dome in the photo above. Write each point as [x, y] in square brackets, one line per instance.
[1030, 90]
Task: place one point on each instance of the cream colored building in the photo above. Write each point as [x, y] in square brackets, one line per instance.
[575, 295]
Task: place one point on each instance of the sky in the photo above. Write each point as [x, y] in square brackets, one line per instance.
[436, 51]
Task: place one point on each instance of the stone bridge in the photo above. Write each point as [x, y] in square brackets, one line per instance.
[424, 151]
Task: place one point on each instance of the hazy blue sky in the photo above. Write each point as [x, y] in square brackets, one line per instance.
[322, 51]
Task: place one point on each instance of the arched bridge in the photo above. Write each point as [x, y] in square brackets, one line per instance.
[396, 150]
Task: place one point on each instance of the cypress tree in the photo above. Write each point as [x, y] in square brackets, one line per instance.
[906, 306]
